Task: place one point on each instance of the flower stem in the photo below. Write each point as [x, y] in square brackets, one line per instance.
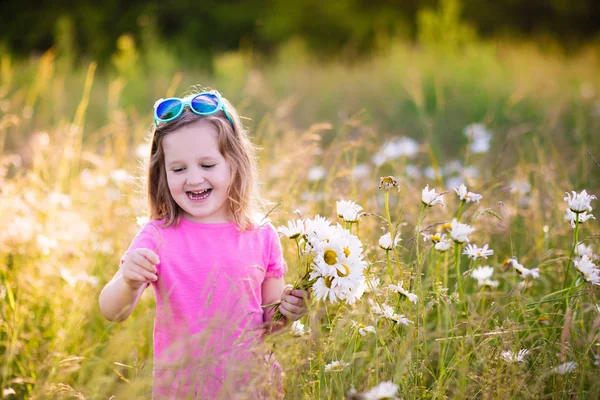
[575, 242]
[457, 269]
[460, 210]
[418, 230]
[389, 265]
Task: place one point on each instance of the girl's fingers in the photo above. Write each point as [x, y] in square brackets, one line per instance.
[133, 276]
[145, 274]
[149, 255]
[141, 261]
[292, 308]
[303, 294]
[297, 301]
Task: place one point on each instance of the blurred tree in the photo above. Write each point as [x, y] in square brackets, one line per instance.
[198, 29]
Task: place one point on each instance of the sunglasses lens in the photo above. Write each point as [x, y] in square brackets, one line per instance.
[168, 109]
[206, 103]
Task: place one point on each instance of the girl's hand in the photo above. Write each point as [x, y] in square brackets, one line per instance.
[139, 268]
[294, 303]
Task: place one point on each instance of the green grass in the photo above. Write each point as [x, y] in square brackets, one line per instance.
[59, 134]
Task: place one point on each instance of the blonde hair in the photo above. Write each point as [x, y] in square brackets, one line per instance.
[236, 148]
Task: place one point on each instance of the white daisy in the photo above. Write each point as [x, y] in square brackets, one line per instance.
[386, 390]
[386, 311]
[511, 357]
[466, 196]
[298, 328]
[399, 289]
[571, 217]
[480, 138]
[430, 198]
[338, 265]
[435, 238]
[564, 368]
[582, 249]
[588, 269]
[579, 203]
[363, 329]
[336, 366]
[293, 230]
[522, 271]
[475, 252]
[444, 244]
[349, 211]
[460, 232]
[386, 243]
[483, 275]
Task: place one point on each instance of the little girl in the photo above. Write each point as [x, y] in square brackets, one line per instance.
[211, 262]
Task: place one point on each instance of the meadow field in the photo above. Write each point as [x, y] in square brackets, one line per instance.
[517, 122]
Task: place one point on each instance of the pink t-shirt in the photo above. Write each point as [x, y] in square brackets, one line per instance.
[209, 322]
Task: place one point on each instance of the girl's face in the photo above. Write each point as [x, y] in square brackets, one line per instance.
[197, 173]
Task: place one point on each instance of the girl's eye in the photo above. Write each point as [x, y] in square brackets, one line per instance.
[176, 170]
[208, 166]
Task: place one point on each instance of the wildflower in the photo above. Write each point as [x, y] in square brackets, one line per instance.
[293, 230]
[386, 243]
[582, 249]
[460, 232]
[388, 182]
[597, 360]
[120, 176]
[465, 196]
[480, 138]
[475, 252]
[522, 271]
[363, 329]
[571, 217]
[298, 328]
[588, 269]
[336, 366]
[511, 357]
[399, 289]
[483, 275]
[430, 198]
[579, 203]
[316, 174]
[564, 368]
[435, 238]
[349, 211]
[443, 245]
[338, 265]
[386, 311]
[72, 280]
[386, 390]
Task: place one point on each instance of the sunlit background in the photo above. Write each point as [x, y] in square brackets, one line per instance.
[501, 96]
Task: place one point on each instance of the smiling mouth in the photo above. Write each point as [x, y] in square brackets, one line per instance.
[199, 194]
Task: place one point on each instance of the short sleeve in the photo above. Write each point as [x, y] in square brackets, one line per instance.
[147, 238]
[276, 267]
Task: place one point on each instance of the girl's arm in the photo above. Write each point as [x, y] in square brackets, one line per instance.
[118, 300]
[293, 302]
[120, 296]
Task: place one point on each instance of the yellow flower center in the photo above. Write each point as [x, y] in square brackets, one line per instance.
[436, 238]
[447, 225]
[330, 257]
[346, 251]
[328, 281]
[345, 273]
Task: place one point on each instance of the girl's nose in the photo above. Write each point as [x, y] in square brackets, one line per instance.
[195, 177]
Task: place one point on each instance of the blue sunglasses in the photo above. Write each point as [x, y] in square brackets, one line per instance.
[205, 103]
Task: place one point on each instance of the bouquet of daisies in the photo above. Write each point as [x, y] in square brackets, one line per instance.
[331, 258]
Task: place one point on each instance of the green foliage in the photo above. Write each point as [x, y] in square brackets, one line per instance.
[69, 131]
